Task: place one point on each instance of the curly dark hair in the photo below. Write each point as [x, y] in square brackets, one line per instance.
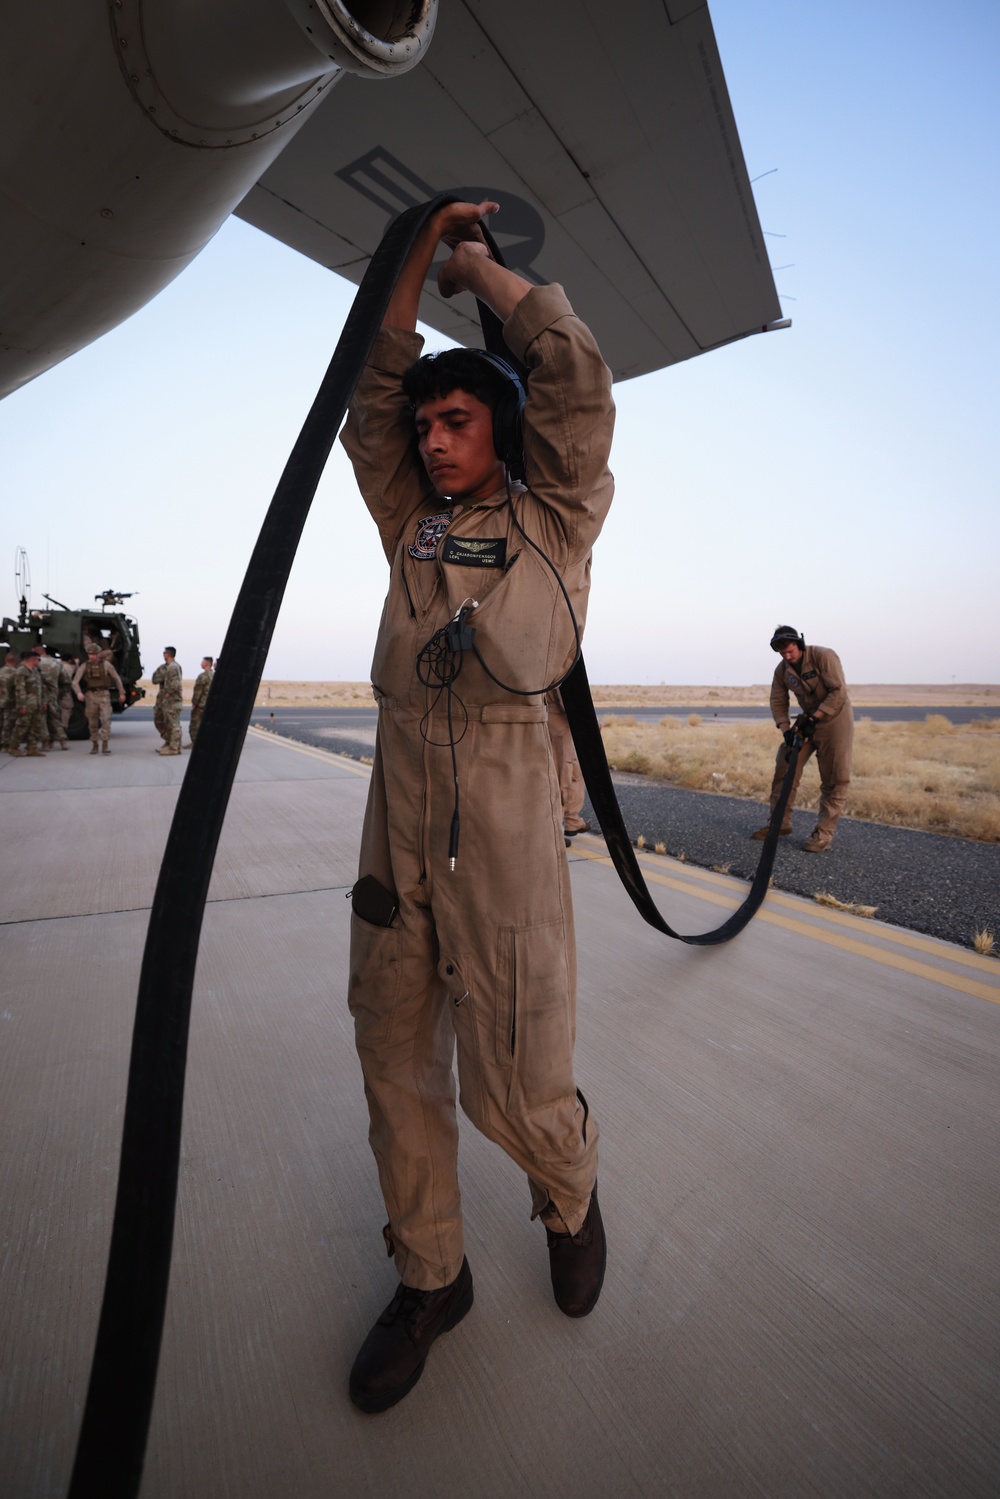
[437, 375]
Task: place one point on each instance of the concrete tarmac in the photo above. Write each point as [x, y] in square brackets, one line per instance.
[800, 1139]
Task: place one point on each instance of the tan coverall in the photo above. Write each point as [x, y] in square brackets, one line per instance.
[571, 783]
[483, 955]
[817, 681]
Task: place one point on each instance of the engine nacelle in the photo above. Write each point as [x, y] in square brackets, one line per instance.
[132, 129]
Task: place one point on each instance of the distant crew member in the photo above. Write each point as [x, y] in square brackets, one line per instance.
[814, 674]
[50, 672]
[98, 676]
[29, 710]
[169, 678]
[8, 702]
[571, 784]
[199, 695]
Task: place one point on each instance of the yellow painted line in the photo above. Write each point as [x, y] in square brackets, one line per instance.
[820, 912]
[311, 751]
[882, 955]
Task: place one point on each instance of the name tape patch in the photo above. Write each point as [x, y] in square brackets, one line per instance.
[490, 551]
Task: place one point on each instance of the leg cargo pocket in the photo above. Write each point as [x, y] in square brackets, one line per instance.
[534, 1013]
[376, 974]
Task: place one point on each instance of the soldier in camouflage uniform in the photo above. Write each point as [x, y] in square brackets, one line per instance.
[50, 671]
[98, 676]
[199, 697]
[29, 711]
[167, 714]
[66, 691]
[7, 704]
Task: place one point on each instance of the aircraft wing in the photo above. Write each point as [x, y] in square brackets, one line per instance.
[606, 135]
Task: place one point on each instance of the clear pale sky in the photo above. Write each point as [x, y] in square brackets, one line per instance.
[840, 477]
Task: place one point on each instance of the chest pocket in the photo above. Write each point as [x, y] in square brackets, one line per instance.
[469, 551]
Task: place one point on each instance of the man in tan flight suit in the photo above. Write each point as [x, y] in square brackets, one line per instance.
[50, 671]
[29, 708]
[199, 695]
[472, 941]
[814, 674]
[169, 678]
[98, 676]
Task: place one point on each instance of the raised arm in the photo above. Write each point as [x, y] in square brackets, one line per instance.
[472, 268]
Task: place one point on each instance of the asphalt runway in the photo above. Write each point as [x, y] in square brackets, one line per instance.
[799, 1147]
[341, 718]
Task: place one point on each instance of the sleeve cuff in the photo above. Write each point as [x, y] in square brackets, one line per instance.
[394, 350]
[537, 310]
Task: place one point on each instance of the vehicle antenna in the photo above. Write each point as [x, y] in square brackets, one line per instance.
[22, 584]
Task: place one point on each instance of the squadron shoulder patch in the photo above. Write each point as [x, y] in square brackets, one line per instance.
[488, 551]
[429, 532]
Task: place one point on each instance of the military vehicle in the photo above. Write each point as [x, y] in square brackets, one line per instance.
[66, 633]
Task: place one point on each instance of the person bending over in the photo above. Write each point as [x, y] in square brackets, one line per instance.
[814, 674]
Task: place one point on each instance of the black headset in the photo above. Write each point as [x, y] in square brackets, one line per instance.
[787, 635]
[508, 430]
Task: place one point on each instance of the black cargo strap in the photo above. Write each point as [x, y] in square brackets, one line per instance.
[119, 1402]
[589, 747]
[587, 741]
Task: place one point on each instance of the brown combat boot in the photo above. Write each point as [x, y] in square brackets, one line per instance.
[93, 746]
[166, 751]
[393, 1355]
[36, 754]
[762, 833]
[106, 748]
[816, 843]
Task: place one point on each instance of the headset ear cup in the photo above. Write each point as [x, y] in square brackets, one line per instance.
[507, 441]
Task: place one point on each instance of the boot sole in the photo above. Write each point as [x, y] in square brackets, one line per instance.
[373, 1405]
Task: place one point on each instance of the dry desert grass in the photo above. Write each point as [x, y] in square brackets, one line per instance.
[294, 694]
[920, 775]
[927, 775]
[281, 694]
